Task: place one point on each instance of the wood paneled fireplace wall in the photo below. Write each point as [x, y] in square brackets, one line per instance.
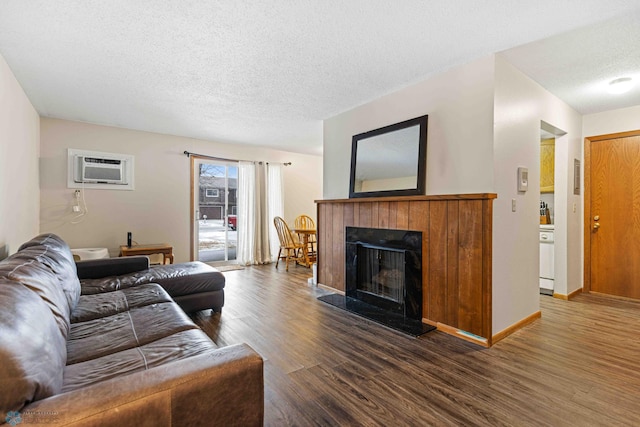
[456, 248]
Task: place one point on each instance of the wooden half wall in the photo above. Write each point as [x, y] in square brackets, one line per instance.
[456, 252]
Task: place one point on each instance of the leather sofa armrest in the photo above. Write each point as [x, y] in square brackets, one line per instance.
[105, 267]
[222, 387]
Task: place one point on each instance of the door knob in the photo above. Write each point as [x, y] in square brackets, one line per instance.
[596, 218]
[596, 225]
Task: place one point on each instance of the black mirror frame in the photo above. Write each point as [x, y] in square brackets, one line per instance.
[422, 159]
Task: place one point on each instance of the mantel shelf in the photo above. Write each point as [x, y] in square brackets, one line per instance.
[473, 196]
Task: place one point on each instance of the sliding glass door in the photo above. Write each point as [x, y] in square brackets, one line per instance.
[215, 192]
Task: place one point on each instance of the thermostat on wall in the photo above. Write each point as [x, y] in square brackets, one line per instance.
[523, 179]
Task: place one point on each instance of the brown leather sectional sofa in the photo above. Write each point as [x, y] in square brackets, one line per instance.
[123, 352]
[193, 285]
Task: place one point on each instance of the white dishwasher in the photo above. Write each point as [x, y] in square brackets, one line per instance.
[546, 261]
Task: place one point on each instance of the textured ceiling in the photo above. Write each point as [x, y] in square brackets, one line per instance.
[268, 72]
[577, 66]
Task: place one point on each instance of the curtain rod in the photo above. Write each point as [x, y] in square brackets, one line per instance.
[189, 154]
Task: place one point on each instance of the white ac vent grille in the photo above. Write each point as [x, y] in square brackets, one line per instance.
[91, 169]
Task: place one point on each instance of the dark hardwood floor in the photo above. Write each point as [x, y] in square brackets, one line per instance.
[579, 365]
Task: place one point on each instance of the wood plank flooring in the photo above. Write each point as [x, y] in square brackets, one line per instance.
[579, 365]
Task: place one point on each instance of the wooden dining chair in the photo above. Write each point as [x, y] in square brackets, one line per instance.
[289, 243]
[306, 222]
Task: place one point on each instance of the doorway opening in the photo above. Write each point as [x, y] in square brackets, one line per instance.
[548, 145]
[214, 224]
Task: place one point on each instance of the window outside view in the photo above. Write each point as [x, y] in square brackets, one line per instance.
[217, 210]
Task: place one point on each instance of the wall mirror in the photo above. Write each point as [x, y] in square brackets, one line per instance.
[390, 161]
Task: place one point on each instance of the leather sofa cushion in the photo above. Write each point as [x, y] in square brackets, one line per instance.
[122, 331]
[102, 305]
[55, 254]
[32, 348]
[24, 269]
[45, 265]
[177, 279]
[177, 346]
[107, 267]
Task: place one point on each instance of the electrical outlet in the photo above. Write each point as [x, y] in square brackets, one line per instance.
[513, 205]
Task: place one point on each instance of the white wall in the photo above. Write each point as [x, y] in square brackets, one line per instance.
[158, 209]
[520, 105]
[614, 121]
[459, 103]
[19, 151]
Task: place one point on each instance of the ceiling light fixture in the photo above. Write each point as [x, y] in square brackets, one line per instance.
[621, 85]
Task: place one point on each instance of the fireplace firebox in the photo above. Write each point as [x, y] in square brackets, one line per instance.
[384, 278]
[384, 269]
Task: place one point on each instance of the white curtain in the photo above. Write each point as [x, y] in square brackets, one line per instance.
[256, 196]
[261, 252]
[275, 204]
[246, 212]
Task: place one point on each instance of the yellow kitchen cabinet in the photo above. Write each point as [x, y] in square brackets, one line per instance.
[547, 164]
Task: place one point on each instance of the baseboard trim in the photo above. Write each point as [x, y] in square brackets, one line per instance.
[516, 326]
[459, 333]
[618, 297]
[568, 297]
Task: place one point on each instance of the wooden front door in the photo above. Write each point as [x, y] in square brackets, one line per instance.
[612, 220]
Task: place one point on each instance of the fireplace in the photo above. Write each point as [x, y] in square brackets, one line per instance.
[384, 269]
[384, 278]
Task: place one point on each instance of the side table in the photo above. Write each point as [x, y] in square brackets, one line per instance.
[148, 249]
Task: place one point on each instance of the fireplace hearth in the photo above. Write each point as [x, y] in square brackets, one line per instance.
[384, 278]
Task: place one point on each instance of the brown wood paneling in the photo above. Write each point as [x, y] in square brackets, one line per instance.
[487, 269]
[348, 215]
[328, 235]
[402, 215]
[456, 251]
[393, 215]
[418, 220]
[375, 206]
[319, 245]
[324, 261]
[319, 238]
[470, 267]
[337, 216]
[365, 215]
[383, 215]
[356, 216]
[438, 268]
[452, 294]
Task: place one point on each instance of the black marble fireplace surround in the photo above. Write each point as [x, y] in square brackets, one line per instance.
[384, 278]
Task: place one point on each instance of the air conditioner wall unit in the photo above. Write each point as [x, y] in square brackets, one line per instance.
[92, 169]
[101, 170]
